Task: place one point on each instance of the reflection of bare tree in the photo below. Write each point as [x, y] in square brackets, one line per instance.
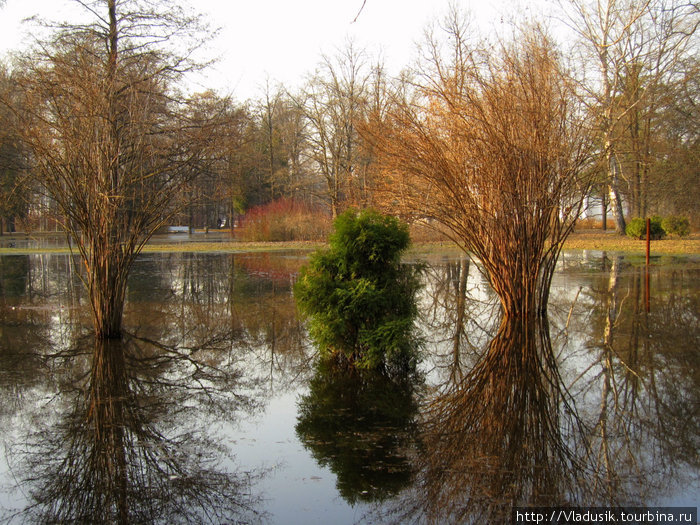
[499, 437]
[14, 272]
[604, 457]
[451, 289]
[122, 454]
[458, 315]
[640, 390]
[249, 294]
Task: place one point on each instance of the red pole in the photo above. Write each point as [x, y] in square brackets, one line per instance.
[648, 239]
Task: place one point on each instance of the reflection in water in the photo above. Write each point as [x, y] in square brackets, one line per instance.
[498, 437]
[179, 296]
[608, 417]
[640, 394]
[496, 426]
[13, 275]
[121, 455]
[460, 312]
[360, 424]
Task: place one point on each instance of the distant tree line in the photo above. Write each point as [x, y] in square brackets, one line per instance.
[302, 145]
[636, 61]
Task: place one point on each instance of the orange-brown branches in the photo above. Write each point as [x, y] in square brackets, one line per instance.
[490, 146]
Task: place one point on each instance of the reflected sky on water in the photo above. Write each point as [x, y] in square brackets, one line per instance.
[215, 400]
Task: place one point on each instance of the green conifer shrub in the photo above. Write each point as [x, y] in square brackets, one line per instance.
[637, 228]
[358, 297]
[676, 225]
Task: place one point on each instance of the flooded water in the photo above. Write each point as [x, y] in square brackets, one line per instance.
[214, 408]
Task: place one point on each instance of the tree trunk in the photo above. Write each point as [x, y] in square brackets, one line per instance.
[616, 205]
[604, 209]
[106, 282]
[614, 193]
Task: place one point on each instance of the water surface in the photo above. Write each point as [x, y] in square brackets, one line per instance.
[221, 407]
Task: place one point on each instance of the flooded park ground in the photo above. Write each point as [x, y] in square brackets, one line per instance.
[214, 408]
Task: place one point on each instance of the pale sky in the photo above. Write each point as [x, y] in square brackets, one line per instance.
[283, 39]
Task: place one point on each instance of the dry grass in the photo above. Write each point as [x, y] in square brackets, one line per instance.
[231, 246]
[425, 243]
[610, 241]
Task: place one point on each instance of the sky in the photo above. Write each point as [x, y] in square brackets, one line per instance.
[281, 41]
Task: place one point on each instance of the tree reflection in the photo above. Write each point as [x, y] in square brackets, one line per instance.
[124, 454]
[610, 418]
[497, 429]
[499, 437]
[361, 425]
[639, 393]
[185, 296]
[458, 315]
[13, 275]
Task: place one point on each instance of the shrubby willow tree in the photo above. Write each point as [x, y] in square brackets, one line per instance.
[358, 295]
[111, 142]
[490, 144]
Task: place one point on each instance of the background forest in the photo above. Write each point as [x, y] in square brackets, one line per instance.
[282, 165]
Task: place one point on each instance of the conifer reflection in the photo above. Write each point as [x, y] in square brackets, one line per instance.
[361, 425]
[121, 455]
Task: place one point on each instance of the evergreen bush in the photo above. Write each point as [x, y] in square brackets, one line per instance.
[637, 228]
[359, 298]
[675, 225]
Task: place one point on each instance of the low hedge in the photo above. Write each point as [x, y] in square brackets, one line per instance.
[676, 225]
[660, 227]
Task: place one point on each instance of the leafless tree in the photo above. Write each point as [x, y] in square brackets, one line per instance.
[111, 141]
[14, 190]
[632, 49]
[333, 102]
[490, 145]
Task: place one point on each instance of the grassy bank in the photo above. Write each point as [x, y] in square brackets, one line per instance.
[611, 242]
[597, 240]
[580, 240]
[189, 247]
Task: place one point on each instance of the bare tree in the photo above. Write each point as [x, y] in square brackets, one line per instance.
[333, 102]
[377, 100]
[111, 142]
[673, 183]
[632, 47]
[294, 140]
[489, 144]
[206, 192]
[659, 48]
[275, 169]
